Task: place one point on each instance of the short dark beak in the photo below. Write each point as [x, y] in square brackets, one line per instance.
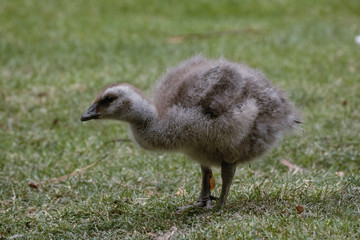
[90, 113]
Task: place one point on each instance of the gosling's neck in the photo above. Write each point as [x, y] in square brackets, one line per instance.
[141, 110]
[150, 130]
[146, 127]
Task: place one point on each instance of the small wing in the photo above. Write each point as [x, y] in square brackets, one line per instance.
[215, 91]
[215, 87]
[221, 93]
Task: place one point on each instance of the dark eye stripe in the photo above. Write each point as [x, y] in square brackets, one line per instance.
[108, 99]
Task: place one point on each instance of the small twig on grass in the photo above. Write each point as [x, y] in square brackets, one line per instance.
[63, 178]
[181, 38]
[16, 236]
[292, 166]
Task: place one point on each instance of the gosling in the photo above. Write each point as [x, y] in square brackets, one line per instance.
[217, 112]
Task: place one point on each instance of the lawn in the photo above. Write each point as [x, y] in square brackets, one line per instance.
[56, 55]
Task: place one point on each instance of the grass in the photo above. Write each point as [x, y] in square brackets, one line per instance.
[56, 55]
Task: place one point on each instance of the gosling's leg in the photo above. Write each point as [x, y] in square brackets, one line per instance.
[205, 196]
[227, 175]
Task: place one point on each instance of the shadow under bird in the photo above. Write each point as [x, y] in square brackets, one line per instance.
[217, 112]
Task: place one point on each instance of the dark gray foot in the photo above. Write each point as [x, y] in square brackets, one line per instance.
[201, 203]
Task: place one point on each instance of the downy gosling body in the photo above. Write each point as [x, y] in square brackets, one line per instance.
[217, 112]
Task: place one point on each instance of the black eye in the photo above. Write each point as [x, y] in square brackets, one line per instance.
[109, 99]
